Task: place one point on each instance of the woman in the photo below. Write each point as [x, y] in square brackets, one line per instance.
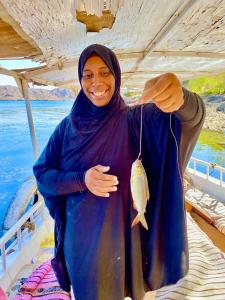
[84, 175]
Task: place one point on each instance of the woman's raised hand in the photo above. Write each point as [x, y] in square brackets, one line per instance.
[165, 91]
[100, 184]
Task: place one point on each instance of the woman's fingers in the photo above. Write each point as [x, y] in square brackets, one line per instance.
[165, 91]
[105, 177]
[168, 107]
[99, 194]
[105, 183]
[101, 168]
[107, 188]
[157, 86]
[100, 184]
[104, 190]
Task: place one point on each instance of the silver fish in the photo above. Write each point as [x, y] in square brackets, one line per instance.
[139, 191]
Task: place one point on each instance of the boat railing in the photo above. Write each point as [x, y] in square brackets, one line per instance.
[209, 166]
[14, 236]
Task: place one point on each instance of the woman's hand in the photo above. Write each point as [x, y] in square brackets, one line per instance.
[100, 184]
[165, 91]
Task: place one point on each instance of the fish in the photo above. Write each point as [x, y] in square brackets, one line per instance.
[139, 191]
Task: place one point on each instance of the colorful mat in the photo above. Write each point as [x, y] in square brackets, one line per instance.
[2, 295]
[42, 285]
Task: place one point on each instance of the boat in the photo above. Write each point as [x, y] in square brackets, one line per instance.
[149, 38]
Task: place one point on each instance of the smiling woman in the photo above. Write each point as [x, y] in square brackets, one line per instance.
[97, 81]
[84, 175]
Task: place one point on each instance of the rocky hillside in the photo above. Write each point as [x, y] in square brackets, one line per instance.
[12, 93]
[214, 120]
[215, 112]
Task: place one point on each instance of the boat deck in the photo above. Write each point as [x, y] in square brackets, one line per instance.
[205, 279]
[45, 253]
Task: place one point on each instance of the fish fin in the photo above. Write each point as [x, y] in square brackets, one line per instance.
[140, 218]
[148, 195]
[135, 221]
[143, 222]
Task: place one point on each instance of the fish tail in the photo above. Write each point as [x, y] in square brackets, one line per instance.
[140, 218]
[143, 221]
[135, 221]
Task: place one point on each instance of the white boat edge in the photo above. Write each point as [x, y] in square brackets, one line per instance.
[27, 242]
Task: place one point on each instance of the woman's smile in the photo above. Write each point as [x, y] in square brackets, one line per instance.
[98, 96]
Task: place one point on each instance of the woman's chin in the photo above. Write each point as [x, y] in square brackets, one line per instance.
[100, 102]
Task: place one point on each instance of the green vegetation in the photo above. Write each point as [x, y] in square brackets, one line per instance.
[207, 85]
[132, 92]
[213, 139]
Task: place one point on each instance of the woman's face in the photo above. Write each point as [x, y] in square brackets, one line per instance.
[97, 81]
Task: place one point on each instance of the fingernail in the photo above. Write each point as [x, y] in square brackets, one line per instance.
[107, 195]
[115, 188]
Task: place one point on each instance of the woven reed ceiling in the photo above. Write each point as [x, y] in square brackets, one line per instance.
[150, 37]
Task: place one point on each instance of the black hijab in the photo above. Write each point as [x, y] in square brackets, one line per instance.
[83, 109]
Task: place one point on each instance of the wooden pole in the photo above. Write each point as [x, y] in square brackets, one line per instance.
[24, 90]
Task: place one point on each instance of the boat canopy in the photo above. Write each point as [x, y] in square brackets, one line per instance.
[150, 37]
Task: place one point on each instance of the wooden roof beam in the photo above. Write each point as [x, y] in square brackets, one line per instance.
[123, 56]
[40, 81]
[149, 72]
[45, 69]
[213, 55]
[159, 53]
[162, 33]
[66, 83]
[125, 76]
[7, 72]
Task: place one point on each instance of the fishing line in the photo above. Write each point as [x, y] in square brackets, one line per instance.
[177, 148]
[176, 143]
[139, 155]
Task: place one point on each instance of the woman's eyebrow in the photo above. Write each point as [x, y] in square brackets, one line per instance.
[101, 68]
[86, 70]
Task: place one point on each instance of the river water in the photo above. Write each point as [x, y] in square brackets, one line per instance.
[16, 155]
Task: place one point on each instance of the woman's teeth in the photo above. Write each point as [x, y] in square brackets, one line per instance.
[98, 93]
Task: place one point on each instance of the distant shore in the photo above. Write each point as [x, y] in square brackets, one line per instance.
[214, 120]
[12, 93]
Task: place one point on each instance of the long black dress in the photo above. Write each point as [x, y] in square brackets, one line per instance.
[105, 258]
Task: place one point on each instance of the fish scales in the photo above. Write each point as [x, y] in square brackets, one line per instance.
[139, 191]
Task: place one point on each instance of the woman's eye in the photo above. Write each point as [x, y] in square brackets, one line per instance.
[87, 76]
[105, 73]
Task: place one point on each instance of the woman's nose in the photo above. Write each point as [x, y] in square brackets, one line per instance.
[96, 79]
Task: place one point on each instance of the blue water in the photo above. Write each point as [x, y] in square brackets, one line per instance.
[16, 154]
